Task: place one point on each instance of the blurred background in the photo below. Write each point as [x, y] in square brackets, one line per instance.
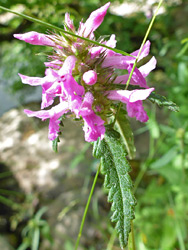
[42, 193]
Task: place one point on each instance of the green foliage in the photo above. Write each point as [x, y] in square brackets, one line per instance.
[32, 231]
[115, 167]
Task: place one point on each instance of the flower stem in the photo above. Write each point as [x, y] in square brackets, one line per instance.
[86, 207]
[111, 241]
[143, 42]
[51, 26]
[131, 242]
[140, 50]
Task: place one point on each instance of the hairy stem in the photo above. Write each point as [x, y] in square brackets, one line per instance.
[51, 26]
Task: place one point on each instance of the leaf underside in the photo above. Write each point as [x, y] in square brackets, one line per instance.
[162, 101]
[115, 167]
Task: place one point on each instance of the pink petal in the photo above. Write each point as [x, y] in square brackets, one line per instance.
[126, 96]
[118, 62]
[42, 114]
[47, 100]
[51, 75]
[33, 81]
[90, 77]
[140, 94]
[121, 62]
[35, 38]
[71, 88]
[122, 79]
[86, 107]
[53, 129]
[133, 99]
[95, 51]
[93, 127]
[69, 22]
[94, 21]
[144, 53]
[111, 43]
[148, 67]
[54, 114]
[93, 124]
[68, 65]
[136, 109]
[119, 95]
[54, 64]
[137, 77]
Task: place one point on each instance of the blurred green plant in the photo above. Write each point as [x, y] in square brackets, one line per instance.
[35, 228]
[163, 201]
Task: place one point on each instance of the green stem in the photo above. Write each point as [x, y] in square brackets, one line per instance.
[139, 177]
[132, 236]
[131, 242]
[51, 26]
[140, 50]
[111, 241]
[86, 208]
[177, 224]
[143, 42]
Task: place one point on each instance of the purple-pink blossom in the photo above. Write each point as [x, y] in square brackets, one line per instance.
[133, 99]
[82, 78]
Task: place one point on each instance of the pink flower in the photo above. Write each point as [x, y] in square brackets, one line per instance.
[53, 114]
[93, 124]
[133, 100]
[82, 78]
[138, 77]
[47, 84]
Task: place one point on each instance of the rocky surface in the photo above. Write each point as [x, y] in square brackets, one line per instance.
[59, 181]
[25, 148]
[56, 180]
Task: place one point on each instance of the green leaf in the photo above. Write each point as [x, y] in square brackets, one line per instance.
[55, 144]
[165, 159]
[163, 102]
[36, 239]
[123, 127]
[115, 167]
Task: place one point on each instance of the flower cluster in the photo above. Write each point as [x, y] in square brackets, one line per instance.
[82, 78]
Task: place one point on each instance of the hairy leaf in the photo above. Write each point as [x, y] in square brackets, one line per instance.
[55, 144]
[163, 102]
[115, 167]
[123, 127]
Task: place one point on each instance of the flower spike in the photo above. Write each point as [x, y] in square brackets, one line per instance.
[82, 78]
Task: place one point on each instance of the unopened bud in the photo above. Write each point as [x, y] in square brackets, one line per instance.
[90, 77]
